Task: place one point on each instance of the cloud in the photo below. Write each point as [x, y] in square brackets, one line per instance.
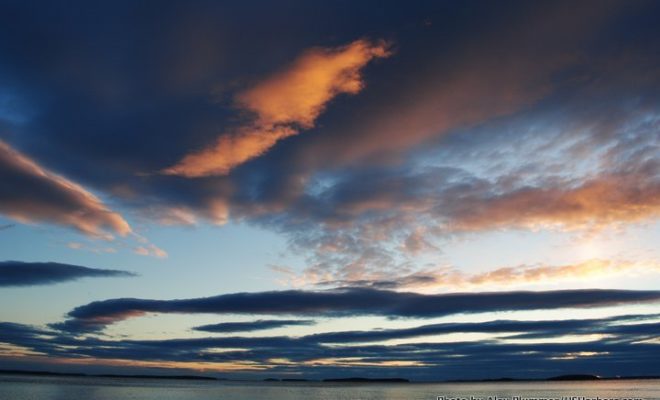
[634, 324]
[29, 193]
[250, 326]
[589, 268]
[603, 201]
[368, 224]
[284, 103]
[464, 202]
[459, 73]
[452, 278]
[431, 92]
[91, 248]
[17, 273]
[621, 348]
[353, 301]
[231, 151]
[486, 140]
[150, 250]
[300, 92]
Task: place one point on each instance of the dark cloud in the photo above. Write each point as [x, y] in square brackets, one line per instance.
[520, 329]
[353, 301]
[258, 325]
[621, 350]
[17, 273]
[186, 62]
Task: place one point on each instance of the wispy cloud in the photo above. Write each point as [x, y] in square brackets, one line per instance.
[523, 275]
[100, 249]
[150, 250]
[6, 226]
[284, 103]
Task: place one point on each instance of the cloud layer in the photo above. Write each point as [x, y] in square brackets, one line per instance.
[351, 302]
[623, 347]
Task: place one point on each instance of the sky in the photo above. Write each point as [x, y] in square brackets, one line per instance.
[431, 190]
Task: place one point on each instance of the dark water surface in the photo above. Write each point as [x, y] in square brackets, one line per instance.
[87, 388]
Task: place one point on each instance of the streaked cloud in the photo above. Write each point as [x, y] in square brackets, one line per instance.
[590, 268]
[231, 150]
[622, 338]
[30, 194]
[17, 273]
[638, 324]
[521, 275]
[258, 325]
[284, 103]
[352, 301]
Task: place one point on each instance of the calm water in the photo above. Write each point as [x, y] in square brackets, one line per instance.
[56, 388]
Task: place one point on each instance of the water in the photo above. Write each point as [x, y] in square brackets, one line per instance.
[66, 388]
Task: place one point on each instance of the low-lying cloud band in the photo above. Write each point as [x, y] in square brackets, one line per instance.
[352, 301]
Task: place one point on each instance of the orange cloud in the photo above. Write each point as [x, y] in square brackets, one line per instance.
[604, 201]
[175, 216]
[530, 274]
[284, 103]
[30, 193]
[543, 273]
[299, 93]
[230, 151]
[150, 250]
[451, 278]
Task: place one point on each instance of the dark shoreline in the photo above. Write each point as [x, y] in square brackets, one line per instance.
[351, 380]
